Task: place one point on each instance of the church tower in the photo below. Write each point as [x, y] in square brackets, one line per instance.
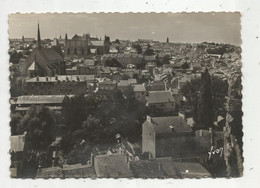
[39, 37]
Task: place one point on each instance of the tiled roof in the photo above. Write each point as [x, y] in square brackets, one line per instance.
[112, 166]
[97, 43]
[191, 170]
[168, 124]
[81, 78]
[40, 99]
[154, 168]
[139, 88]
[159, 97]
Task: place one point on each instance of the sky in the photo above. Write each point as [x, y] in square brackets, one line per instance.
[179, 27]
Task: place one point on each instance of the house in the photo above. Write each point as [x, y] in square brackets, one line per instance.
[139, 92]
[125, 85]
[166, 137]
[107, 85]
[160, 103]
[17, 154]
[157, 85]
[176, 95]
[112, 166]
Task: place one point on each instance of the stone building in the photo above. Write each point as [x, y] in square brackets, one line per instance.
[44, 61]
[166, 137]
[83, 46]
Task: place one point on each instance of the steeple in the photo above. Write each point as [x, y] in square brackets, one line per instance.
[66, 36]
[39, 37]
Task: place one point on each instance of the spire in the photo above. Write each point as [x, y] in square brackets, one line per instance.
[39, 37]
[66, 36]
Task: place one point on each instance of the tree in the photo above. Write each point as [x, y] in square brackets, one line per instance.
[14, 123]
[192, 92]
[205, 102]
[113, 63]
[149, 51]
[39, 124]
[185, 65]
[138, 48]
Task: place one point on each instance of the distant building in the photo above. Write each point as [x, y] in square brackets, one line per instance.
[83, 46]
[44, 61]
[124, 59]
[166, 137]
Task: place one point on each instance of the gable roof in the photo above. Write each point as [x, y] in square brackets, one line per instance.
[43, 58]
[40, 99]
[97, 43]
[159, 97]
[162, 125]
[139, 88]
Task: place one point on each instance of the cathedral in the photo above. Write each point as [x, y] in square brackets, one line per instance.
[44, 61]
[83, 46]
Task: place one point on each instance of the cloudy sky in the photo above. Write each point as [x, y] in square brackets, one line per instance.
[179, 27]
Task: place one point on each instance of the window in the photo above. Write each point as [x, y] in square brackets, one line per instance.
[68, 51]
[75, 51]
[82, 51]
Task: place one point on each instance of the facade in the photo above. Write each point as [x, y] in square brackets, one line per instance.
[139, 92]
[166, 137]
[160, 103]
[83, 46]
[59, 85]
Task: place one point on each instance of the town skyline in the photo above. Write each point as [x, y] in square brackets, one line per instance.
[183, 28]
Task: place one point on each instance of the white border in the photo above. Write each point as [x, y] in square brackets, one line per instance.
[251, 71]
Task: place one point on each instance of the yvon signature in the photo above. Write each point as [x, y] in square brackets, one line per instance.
[214, 151]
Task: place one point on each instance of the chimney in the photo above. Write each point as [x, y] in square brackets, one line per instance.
[149, 118]
[37, 78]
[92, 159]
[211, 135]
[78, 78]
[47, 79]
[172, 128]
[56, 77]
